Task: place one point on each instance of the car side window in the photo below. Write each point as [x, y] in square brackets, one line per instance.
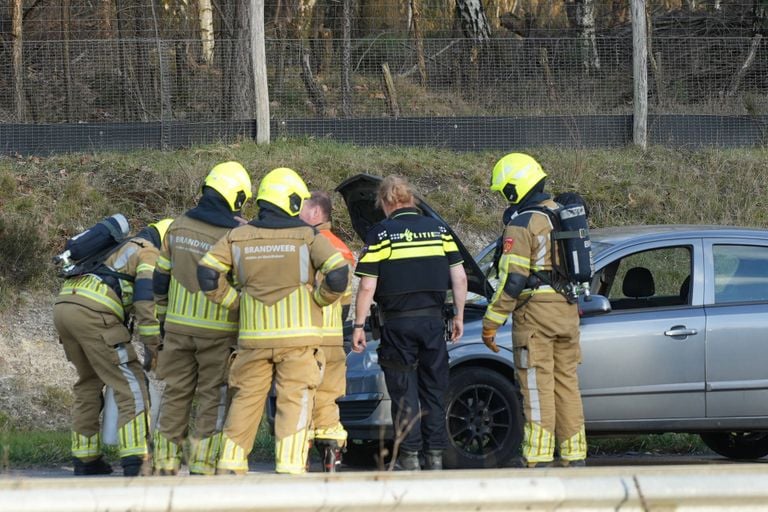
[648, 279]
[741, 273]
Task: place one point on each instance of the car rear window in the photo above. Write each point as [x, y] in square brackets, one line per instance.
[741, 273]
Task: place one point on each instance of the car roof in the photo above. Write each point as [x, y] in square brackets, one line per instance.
[620, 234]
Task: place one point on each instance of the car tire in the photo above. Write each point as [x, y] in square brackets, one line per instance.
[484, 419]
[737, 445]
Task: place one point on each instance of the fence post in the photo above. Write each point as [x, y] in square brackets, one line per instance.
[259, 63]
[640, 74]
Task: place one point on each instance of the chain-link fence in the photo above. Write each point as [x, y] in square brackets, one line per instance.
[125, 78]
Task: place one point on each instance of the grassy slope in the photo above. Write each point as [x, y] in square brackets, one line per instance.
[44, 200]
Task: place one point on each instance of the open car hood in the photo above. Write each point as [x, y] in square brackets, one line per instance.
[359, 193]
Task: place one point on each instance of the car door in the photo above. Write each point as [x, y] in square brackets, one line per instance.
[644, 361]
[737, 327]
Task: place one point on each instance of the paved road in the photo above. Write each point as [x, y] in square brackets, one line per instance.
[628, 459]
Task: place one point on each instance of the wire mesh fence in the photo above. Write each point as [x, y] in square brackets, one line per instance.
[143, 62]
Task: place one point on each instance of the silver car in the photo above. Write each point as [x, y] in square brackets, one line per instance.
[682, 347]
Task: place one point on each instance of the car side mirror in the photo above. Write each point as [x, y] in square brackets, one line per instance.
[591, 305]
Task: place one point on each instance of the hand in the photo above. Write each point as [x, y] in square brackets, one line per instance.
[150, 357]
[489, 338]
[358, 340]
[241, 220]
[458, 329]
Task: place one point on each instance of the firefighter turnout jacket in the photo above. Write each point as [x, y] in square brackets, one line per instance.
[91, 314]
[187, 310]
[274, 262]
[121, 297]
[545, 339]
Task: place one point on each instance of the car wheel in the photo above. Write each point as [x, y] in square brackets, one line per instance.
[737, 445]
[483, 418]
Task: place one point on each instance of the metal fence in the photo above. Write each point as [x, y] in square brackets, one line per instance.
[104, 92]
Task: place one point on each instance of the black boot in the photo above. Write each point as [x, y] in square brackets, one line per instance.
[330, 451]
[433, 460]
[132, 465]
[94, 467]
[408, 460]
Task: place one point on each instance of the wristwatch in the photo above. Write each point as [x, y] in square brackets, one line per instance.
[358, 326]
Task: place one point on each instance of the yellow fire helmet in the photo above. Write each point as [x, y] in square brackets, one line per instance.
[162, 227]
[231, 180]
[515, 175]
[285, 189]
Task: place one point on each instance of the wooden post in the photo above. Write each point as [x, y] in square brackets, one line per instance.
[640, 74]
[65, 28]
[259, 62]
[18, 62]
[389, 90]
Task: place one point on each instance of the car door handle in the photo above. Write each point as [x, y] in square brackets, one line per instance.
[679, 331]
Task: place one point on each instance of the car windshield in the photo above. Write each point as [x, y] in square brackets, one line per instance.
[485, 260]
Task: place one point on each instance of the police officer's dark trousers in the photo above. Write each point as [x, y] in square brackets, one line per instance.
[414, 358]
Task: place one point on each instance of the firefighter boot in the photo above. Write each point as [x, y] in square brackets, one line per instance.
[408, 461]
[94, 467]
[132, 465]
[331, 453]
[433, 460]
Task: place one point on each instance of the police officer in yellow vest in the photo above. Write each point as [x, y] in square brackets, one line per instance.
[329, 434]
[407, 265]
[545, 326]
[91, 314]
[274, 260]
[199, 335]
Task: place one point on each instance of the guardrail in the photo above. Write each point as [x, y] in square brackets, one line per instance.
[610, 488]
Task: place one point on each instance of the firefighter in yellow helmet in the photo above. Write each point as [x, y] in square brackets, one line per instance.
[91, 314]
[274, 260]
[199, 335]
[545, 325]
[330, 437]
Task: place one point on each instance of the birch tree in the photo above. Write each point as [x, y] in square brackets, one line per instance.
[473, 20]
[18, 61]
[205, 17]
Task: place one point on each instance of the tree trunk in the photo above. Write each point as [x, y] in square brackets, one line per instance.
[281, 21]
[760, 14]
[105, 16]
[205, 16]
[65, 29]
[18, 61]
[301, 14]
[581, 14]
[346, 58]
[259, 63]
[242, 85]
[314, 91]
[123, 64]
[166, 105]
[473, 21]
[416, 13]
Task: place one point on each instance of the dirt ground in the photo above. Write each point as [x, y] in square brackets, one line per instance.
[35, 377]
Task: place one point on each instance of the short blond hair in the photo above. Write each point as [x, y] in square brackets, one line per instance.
[395, 190]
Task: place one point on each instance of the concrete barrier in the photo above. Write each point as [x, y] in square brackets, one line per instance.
[733, 487]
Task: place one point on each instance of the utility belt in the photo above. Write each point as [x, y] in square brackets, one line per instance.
[431, 312]
[445, 312]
